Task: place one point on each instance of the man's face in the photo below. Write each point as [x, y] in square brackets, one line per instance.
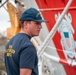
[33, 28]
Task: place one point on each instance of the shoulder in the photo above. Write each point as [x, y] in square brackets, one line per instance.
[29, 49]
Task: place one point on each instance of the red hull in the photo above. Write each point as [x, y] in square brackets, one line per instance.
[53, 7]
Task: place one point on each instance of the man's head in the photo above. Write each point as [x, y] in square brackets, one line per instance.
[31, 22]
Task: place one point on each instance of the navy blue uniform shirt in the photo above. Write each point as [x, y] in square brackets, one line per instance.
[20, 53]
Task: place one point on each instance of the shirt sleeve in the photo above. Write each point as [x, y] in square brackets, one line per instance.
[27, 57]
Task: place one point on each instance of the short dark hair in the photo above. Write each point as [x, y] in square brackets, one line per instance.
[22, 24]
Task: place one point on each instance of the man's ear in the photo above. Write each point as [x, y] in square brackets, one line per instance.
[25, 23]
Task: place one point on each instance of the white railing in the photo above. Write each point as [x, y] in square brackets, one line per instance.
[54, 29]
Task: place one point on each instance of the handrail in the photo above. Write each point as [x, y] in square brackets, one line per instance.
[59, 60]
[54, 58]
[54, 29]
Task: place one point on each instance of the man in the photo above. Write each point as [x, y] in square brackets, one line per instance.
[20, 54]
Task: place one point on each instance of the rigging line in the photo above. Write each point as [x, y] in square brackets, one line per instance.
[5, 8]
[57, 9]
[3, 3]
